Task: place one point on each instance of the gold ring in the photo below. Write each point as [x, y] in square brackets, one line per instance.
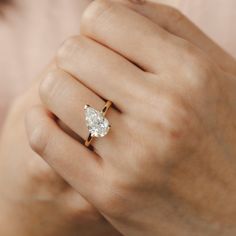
[96, 122]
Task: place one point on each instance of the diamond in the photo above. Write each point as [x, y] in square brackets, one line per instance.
[97, 124]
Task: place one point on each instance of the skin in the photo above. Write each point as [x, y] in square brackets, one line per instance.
[33, 192]
[167, 167]
[40, 174]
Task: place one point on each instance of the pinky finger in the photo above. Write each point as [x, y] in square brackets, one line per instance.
[79, 166]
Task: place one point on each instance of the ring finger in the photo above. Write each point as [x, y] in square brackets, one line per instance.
[66, 97]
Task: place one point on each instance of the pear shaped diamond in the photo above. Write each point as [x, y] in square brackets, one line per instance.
[97, 124]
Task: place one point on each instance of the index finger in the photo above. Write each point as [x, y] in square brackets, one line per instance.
[131, 35]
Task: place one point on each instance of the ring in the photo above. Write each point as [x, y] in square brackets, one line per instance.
[96, 122]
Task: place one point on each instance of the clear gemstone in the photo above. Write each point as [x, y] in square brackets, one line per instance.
[97, 124]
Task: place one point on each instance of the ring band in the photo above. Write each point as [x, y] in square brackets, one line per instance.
[96, 122]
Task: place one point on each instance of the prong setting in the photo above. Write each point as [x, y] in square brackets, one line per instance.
[97, 123]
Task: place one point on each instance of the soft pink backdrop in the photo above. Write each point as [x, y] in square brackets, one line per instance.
[32, 30]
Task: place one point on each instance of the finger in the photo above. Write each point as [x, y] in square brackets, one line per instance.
[66, 97]
[75, 163]
[172, 20]
[178, 24]
[130, 34]
[69, 131]
[100, 69]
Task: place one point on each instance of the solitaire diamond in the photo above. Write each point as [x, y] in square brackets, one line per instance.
[97, 124]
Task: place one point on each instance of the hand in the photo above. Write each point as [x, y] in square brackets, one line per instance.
[167, 165]
[34, 200]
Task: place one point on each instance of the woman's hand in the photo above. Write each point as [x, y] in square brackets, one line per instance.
[34, 200]
[167, 167]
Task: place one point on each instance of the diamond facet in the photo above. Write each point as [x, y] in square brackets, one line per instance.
[97, 124]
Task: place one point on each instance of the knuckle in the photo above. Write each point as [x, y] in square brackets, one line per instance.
[205, 73]
[189, 50]
[175, 15]
[175, 116]
[192, 55]
[96, 12]
[198, 67]
[47, 86]
[67, 48]
[71, 47]
[52, 86]
[39, 138]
